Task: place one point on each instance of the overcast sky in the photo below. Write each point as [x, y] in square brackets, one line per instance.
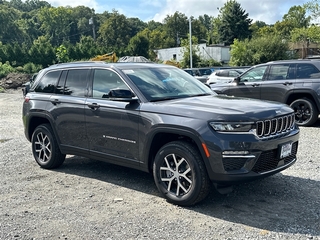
[268, 11]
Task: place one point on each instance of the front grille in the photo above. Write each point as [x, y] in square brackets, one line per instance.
[274, 126]
[269, 160]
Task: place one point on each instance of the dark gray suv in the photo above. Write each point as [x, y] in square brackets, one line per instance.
[294, 82]
[158, 119]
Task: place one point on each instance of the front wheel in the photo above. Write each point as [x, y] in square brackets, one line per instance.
[180, 174]
[305, 111]
[45, 148]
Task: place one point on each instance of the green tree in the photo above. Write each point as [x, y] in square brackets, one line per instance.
[136, 25]
[313, 7]
[199, 31]
[214, 34]
[115, 32]
[9, 30]
[80, 25]
[206, 21]
[153, 25]
[29, 5]
[311, 34]
[42, 52]
[56, 23]
[297, 18]
[139, 46]
[185, 44]
[3, 57]
[256, 26]
[62, 54]
[176, 27]
[87, 48]
[234, 24]
[258, 50]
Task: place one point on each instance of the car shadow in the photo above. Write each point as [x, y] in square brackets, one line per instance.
[317, 123]
[272, 204]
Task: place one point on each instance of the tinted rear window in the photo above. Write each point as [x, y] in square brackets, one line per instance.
[76, 82]
[48, 82]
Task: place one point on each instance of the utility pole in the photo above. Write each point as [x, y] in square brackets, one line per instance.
[91, 22]
[190, 40]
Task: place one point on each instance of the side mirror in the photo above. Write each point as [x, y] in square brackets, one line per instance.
[236, 80]
[123, 95]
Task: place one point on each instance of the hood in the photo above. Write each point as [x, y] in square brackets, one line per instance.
[219, 107]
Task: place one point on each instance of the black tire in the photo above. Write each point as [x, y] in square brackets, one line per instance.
[305, 111]
[45, 148]
[185, 184]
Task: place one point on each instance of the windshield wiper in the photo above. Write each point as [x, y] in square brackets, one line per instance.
[164, 99]
[201, 94]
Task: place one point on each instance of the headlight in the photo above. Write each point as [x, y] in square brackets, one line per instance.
[232, 126]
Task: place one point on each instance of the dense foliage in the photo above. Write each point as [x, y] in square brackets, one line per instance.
[34, 34]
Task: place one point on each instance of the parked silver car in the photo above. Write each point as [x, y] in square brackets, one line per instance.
[224, 75]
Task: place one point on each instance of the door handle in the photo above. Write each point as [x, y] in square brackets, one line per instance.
[287, 83]
[255, 85]
[93, 106]
[55, 101]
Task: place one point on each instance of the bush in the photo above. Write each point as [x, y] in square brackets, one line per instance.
[31, 68]
[19, 69]
[5, 69]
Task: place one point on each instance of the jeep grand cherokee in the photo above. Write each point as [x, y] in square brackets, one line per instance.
[158, 119]
[294, 82]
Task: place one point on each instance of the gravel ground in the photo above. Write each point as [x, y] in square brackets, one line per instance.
[87, 199]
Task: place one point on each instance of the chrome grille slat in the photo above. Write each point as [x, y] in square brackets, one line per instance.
[274, 126]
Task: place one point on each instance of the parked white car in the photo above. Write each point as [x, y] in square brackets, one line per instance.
[224, 75]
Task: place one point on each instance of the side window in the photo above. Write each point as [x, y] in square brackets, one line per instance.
[76, 82]
[253, 75]
[233, 73]
[48, 82]
[305, 70]
[218, 73]
[103, 81]
[279, 72]
[224, 73]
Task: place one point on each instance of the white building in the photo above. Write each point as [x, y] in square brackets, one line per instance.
[219, 53]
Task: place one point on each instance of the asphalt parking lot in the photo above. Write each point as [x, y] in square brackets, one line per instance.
[87, 199]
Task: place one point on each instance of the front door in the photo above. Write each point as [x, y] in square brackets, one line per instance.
[249, 83]
[112, 126]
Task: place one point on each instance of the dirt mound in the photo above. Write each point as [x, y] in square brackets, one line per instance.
[14, 80]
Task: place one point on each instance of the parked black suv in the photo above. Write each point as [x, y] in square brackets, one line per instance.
[294, 82]
[159, 119]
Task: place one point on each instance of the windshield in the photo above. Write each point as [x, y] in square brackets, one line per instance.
[159, 84]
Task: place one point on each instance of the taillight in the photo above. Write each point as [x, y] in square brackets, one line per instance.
[26, 99]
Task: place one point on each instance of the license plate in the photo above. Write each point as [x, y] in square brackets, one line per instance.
[285, 150]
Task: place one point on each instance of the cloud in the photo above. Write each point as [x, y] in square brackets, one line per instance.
[268, 11]
[87, 3]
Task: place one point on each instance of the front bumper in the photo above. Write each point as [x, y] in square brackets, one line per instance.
[236, 158]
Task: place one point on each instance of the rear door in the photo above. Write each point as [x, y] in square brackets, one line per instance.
[67, 108]
[279, 82]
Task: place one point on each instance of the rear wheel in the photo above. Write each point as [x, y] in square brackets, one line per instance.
[180, 174]
[45, 148]
[305, 110]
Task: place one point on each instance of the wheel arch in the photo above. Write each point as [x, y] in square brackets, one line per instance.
[165, 135]
[37, 119]
[299, 95]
